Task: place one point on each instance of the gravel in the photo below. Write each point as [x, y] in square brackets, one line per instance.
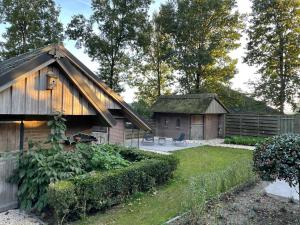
[17, 217]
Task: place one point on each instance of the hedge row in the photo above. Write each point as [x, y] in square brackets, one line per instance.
[100, 190]
[244, 140]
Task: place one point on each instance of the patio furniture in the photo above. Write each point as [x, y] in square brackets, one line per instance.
[180, 140]
[162, 140]
[148, 139]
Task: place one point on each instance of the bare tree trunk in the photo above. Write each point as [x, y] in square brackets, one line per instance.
[158, 80]
[282, 96]
[198, 82]
[111, 77]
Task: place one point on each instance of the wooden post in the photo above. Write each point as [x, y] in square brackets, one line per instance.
[22, 137]
[108, 135]
[139, 138]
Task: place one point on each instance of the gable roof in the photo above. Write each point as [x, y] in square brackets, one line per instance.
[187, 104]
[13, 69]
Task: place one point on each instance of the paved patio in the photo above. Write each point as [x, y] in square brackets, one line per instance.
[170, 146]
[282, 189]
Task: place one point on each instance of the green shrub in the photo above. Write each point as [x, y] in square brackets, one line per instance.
[243, 140]
[101, 157]
[99, 190]
[63, 196]
[279, 158]
[37, 169]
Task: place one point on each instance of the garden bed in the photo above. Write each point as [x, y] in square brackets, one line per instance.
[249, 205]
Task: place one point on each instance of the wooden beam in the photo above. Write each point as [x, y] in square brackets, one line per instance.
[22, 137]
[127, 109]
[75, 76]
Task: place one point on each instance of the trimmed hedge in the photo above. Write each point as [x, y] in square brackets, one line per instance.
[99, 190]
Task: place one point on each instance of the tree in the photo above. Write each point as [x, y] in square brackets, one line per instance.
[153, 74]
[31, 24]
[112, 35]
[274, 40]
[279, 158]
[203, 32]
[142, 108]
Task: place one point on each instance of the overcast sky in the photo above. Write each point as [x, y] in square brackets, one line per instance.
[71, 7]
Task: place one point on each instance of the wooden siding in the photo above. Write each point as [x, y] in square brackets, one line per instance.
[117, 133]
[211, 126]
[8, 191]
[9, 136]
[215, 108]
[29, 96]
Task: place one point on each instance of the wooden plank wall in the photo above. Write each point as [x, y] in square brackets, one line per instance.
[258, 125]
[8, 191]
[9, 136]
[29, 95]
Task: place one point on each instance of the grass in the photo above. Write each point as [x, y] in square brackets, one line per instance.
[168, 201]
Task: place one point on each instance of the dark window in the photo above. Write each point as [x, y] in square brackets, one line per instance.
[165, 122]
[177, 122]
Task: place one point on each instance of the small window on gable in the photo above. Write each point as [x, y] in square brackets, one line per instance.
[178, 122]
[165, 122]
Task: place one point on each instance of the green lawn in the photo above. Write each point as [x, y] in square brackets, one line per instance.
[167, 201]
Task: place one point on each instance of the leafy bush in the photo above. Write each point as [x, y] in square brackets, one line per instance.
[211, 185]
[243, 140]
[64, 198]
[279, 158]
[101, 157]
[37, 169]
[99, 190]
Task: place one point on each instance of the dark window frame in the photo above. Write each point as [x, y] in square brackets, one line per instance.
[165, 122]
[178, 123]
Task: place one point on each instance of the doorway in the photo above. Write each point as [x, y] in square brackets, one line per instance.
[197, 127]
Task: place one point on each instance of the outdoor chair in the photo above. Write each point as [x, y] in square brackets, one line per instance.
[180, 140]
[148, 139]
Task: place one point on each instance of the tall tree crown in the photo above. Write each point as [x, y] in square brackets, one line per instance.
[111, 35]
[204, 32]
[30, 24]
[273, 46]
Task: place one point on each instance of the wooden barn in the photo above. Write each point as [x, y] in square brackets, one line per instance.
[35, 85]
[198, 116]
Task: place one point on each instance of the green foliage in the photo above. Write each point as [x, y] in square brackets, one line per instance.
[274, 33]
[37, 169]
[63, 196]
[141, 108]
[279, 158]
[99, 190]
[112, 35]
[57, 132]
[30, 24]
[210, 185]
[154, 76]
[243, 140]
[204, 33]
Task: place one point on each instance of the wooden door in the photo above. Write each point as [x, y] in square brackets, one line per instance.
[197, 127]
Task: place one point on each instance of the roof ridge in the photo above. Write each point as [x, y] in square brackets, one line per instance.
[189, 96]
